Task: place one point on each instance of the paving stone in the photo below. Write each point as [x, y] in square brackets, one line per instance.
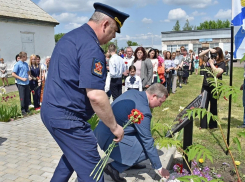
[47, 175]
[21, 179]
[36, 178]
[48, 169]
[10, 165]
[10, 176]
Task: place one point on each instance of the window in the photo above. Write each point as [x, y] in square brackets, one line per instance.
[195, 48]
[212, 45]
[172, 48]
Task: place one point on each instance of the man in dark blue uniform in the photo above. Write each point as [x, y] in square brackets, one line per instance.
[137, 144]
[74, 90]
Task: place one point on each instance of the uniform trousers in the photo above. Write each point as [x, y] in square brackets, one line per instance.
[116, 87]
[24, 91]
[79, 147]
[122, 167]
[213, 108]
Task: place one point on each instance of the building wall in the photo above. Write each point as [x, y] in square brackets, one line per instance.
[33, 38]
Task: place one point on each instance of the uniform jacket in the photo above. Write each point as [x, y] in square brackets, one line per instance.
[146, 72]
[137, 137]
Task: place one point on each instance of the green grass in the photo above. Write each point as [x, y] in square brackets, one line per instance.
[211, 139]
[15, 100]
[11, 81]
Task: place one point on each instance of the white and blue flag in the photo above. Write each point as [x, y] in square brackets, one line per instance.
[238, 20]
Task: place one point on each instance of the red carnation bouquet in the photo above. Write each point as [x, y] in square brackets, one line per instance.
[135, 117]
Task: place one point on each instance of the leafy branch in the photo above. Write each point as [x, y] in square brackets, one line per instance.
[196, 151]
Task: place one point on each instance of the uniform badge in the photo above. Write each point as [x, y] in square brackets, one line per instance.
[97, 67]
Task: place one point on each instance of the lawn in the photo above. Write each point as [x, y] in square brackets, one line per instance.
[11, 81]
[211, 139]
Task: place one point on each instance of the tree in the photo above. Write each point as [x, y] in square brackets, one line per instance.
[187, 26]
[130, 43]
[58, 36]
[214, 24]
[176, 26]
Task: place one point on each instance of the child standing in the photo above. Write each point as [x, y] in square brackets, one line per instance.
[133, 81]
[21, 73]
[196, 62]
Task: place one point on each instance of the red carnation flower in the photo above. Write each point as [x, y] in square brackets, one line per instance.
[180, 166]
[136, 116]
[126, 62]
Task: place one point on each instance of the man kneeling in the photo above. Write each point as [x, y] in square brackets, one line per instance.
[137, 144]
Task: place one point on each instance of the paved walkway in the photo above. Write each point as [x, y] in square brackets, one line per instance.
[29, 153]
[11, 88]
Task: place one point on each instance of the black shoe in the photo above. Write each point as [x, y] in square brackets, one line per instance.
[138, 166]
[23, 113]
[114, 174]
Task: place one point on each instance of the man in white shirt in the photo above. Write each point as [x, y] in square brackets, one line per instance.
[129, 58]
[117, 68]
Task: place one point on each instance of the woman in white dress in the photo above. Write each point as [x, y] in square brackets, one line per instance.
[3, 72]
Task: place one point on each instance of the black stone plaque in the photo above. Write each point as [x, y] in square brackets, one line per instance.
[198, 102]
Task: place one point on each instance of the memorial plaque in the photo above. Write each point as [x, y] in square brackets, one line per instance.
[198, 102]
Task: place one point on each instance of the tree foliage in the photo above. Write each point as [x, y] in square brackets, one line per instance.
[176, 26]
[58, 36]
[187, 25]
[213, 24]
[130, 43]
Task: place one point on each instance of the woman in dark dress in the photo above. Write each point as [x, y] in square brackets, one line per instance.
[35, 75]
[216, 65]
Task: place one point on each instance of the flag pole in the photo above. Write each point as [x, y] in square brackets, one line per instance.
[231, 75]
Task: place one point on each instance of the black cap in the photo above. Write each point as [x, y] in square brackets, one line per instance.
[118, 16]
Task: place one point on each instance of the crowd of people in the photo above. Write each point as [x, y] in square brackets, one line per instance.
[141, 68]
[30, 76]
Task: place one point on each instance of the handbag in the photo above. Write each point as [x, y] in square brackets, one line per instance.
[180, 72]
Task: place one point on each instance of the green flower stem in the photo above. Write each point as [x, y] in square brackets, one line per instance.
[99, 162]
[109, 153]
[105, 159]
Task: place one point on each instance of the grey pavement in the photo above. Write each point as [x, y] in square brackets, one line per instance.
[11, 88]
[29, 153]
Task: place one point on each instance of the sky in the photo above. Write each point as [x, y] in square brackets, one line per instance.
[148, 18]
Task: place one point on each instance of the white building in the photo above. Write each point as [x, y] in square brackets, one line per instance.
[25, 27]
[193, 39]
